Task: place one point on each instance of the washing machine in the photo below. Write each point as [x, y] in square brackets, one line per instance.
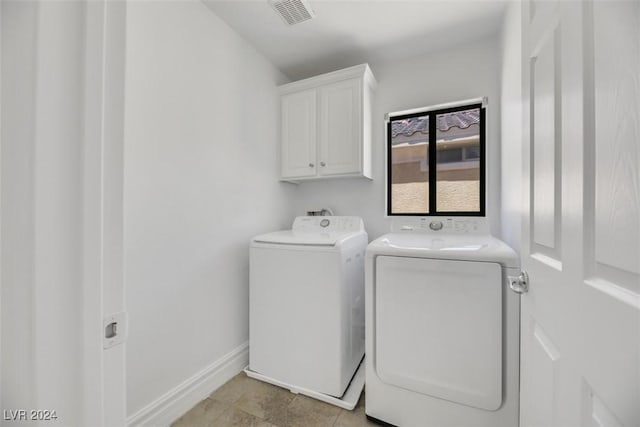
[306, 307]
[442, 319]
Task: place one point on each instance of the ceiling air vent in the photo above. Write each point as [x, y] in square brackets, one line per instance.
[292, 11]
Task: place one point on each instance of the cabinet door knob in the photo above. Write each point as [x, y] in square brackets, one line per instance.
[311, 165]
[323, 164]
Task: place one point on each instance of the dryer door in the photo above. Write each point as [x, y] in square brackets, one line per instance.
[438, 328]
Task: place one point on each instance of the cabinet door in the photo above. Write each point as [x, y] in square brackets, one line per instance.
[299, 134]
[340, 128]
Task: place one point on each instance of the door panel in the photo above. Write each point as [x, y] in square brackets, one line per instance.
[612, 248]
[544, 355]
[581, 318]
[545, 158]
[600, 415]
[617, 135]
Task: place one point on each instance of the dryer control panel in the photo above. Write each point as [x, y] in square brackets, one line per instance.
[328, 224]
[444, 225]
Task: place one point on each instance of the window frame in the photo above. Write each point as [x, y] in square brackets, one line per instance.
[432, 112]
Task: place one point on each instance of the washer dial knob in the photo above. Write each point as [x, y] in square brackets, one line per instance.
[435, 225]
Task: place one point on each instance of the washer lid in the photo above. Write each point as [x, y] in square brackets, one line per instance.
[301, 238]
[482, 248]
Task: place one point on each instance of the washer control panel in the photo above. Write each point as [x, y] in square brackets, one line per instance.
[445, 225]
[328, 224]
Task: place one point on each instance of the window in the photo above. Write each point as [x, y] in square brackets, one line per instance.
[436, 162]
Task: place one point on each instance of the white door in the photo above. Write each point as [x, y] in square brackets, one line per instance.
[581, 231]
[340, 128]
[299, 134]
[62, 90]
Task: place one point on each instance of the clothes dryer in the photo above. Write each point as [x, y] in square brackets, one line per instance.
[442, 337]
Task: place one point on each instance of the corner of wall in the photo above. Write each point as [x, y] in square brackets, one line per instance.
[175, 402]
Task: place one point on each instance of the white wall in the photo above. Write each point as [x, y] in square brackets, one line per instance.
[201, 172]
[511, 126]
[459, 73]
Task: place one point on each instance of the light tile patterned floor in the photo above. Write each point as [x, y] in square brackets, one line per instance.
[245, 402]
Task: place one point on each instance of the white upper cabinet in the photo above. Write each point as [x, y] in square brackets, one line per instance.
[326, 125]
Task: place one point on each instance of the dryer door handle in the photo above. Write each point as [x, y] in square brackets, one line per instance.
[519, 284]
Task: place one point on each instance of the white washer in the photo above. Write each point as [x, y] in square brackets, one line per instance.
[442, 326]
[306, 305]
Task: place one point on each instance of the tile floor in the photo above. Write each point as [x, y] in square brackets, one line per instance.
[245, 402]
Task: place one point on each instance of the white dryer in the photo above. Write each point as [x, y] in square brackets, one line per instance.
[306, 306]
[442, 337]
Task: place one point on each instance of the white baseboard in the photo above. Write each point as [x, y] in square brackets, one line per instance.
[173, 404]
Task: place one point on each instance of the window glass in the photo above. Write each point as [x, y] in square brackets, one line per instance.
[472, 153]
[458, 176]
[450, 155]
[436, 162]
[410, 165]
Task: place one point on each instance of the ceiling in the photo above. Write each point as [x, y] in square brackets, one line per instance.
[345, 33]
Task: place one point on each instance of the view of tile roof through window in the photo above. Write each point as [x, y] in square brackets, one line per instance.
[444, 122]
